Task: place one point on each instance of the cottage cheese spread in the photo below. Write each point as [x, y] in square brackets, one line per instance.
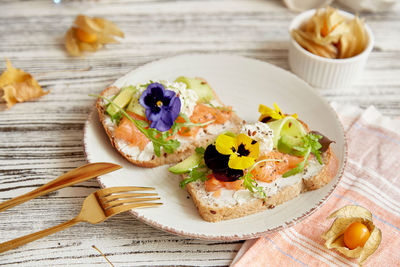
[260, 132]
[188, 97]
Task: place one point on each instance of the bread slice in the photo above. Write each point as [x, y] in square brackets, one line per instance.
[185, 150]
[215, 209]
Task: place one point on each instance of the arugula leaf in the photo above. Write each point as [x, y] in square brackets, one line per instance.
[200, 150]
[159, 139]
[315, 145]
[324, 141]
[310, 145]
[251, 185]
[116, 117]
[198, 173]
[300, 167]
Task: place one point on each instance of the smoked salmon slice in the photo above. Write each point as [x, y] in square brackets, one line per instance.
[128, 132]
[270, 170]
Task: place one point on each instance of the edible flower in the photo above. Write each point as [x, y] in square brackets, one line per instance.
[242, 150]
[269, 114]
[90, 34]
[162, 106]
[218, 163]
[19, 86]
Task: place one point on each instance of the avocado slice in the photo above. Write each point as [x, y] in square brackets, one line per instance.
[200, 86]
[286, 126]
[287, 144]
[187, 165]
[121, 100]
[135, 107]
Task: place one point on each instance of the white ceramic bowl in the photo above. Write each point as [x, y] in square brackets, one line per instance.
[326, 72]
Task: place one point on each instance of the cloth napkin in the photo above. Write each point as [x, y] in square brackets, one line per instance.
[371, 179]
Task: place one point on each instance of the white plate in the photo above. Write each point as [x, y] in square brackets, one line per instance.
[242, 83]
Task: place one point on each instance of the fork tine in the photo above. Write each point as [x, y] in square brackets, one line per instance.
[116, 210]
[115, 203]
[119, 196]
[111, 190]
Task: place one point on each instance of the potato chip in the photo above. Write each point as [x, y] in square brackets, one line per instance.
[343, 218]
[307, 42]
[332, 20]
[90, 34]
[346, 45]
[358, 32]
[329, 34]
[19, 86]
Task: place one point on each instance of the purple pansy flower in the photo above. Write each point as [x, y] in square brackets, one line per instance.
[162, 106]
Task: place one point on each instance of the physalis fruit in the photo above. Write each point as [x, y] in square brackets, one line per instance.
[90, 34]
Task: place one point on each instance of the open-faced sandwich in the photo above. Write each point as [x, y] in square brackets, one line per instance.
[267, 163]
[163, 122]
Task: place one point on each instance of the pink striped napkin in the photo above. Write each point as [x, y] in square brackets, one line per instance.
[371, 179]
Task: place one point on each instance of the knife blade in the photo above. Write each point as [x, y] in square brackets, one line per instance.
[72, 177]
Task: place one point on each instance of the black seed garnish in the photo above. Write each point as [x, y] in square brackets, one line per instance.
[253, 142]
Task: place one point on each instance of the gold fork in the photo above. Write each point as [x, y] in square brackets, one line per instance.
[96, 208]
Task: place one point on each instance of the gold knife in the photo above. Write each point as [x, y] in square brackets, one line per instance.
[74, 176]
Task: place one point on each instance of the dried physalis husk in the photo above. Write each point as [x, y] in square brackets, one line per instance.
[329, 34]
[344, 217]
[19, 86]
[90, 34]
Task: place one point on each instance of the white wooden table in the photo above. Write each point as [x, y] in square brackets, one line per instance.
[41, 140]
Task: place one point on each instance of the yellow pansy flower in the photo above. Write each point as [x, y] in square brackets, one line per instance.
[268, 114]
[242, 150]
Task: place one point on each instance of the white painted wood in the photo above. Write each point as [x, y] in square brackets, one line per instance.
[41, 140]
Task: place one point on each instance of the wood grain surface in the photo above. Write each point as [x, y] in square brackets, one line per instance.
[42, 139]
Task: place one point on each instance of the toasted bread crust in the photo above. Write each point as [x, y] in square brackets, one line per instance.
[164, 158]
[214, 213]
